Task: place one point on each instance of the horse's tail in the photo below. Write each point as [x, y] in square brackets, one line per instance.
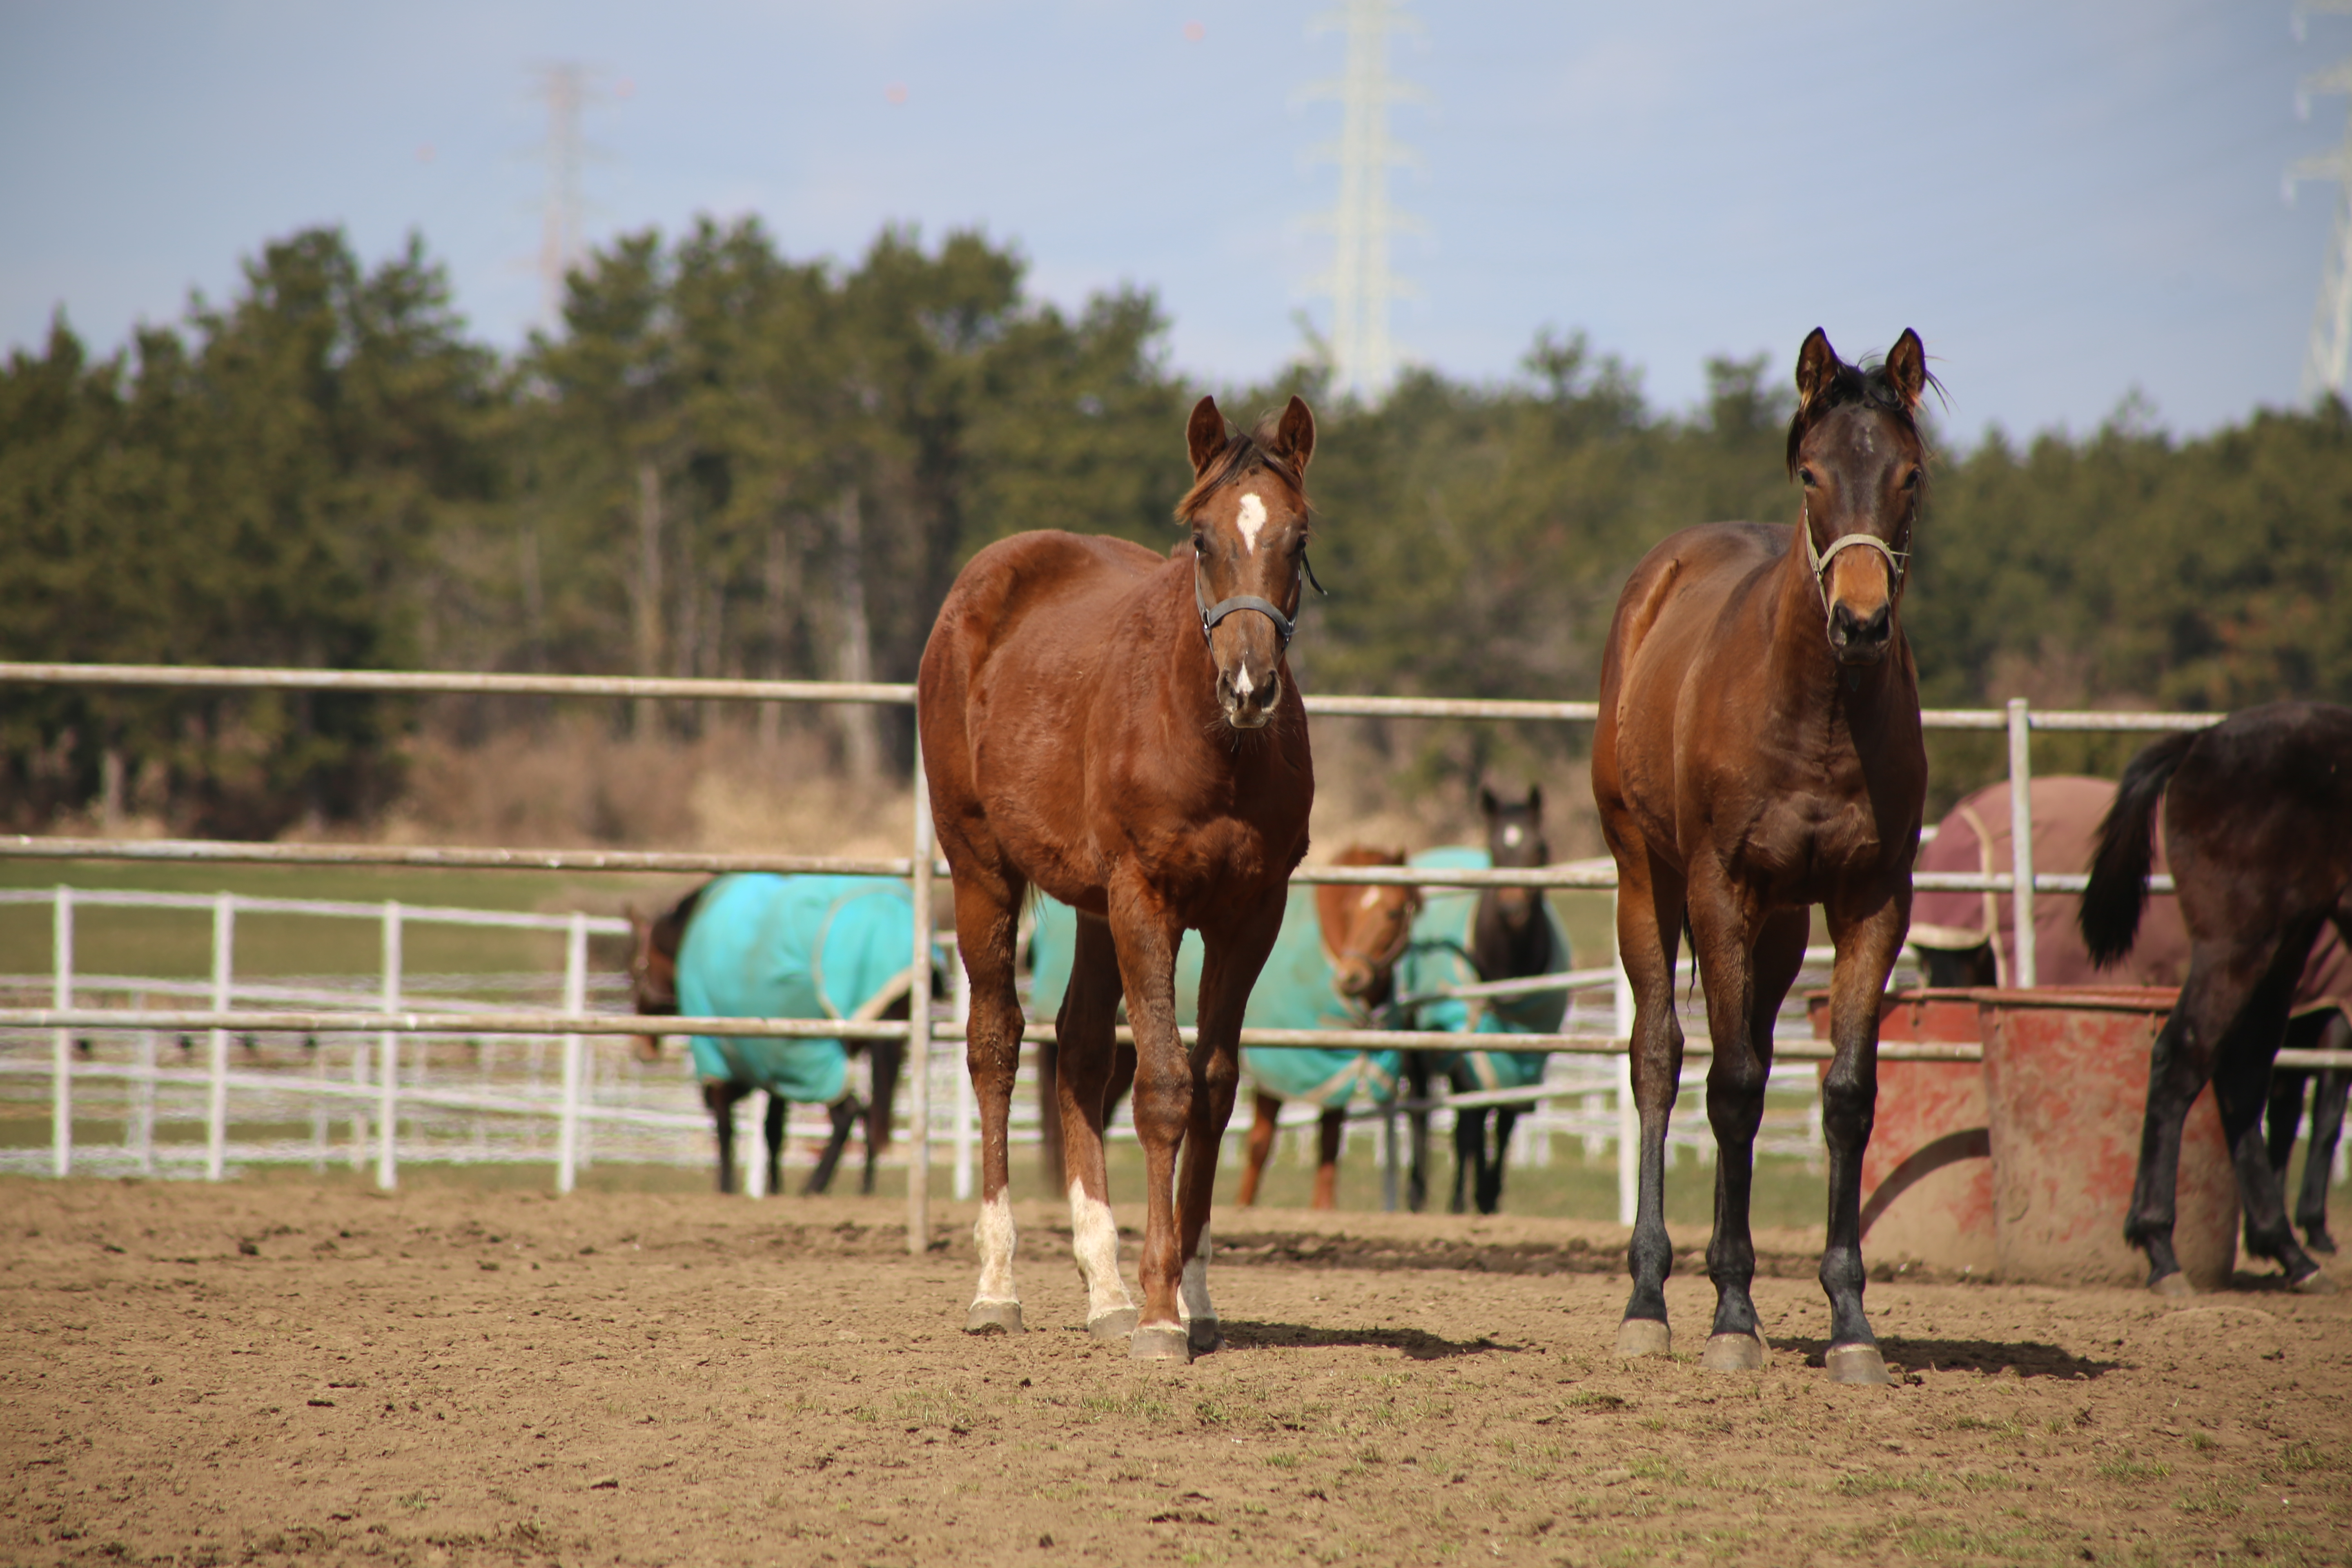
[2119, 869]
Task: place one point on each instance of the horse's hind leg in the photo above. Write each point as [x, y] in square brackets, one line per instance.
[1490, 1174]
[1085, 1028]
[2221, 982]
[1867, 942]
[1650, 905]
[1330, 1131]
[1469, 1150]
[2242, 1075]
[720, 1099]
[845, 1113]
[1263, 1132]
[884, 1058]
[771, 1127]
[1416, 1084]
[986, 912]
[2328, 1097]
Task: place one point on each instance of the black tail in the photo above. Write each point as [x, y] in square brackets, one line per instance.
[2118, 890]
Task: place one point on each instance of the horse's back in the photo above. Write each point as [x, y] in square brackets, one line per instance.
[2265, 797]
[1076, 578]
[1686, 583]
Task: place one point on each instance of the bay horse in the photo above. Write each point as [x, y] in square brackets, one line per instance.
[1506, 933]
[1120, 729]
[772, 963]
[2258, 827]
[1341, 975]
[1758, 751]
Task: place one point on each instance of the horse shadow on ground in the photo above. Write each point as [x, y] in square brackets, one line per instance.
[2025, 1358]
[1413, 1343]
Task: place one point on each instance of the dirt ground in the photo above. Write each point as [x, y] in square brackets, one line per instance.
[272, 1371]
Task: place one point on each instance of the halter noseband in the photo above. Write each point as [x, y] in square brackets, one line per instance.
[1820, 559]
[1212, 614]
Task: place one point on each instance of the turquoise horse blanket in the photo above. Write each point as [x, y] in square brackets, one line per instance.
[1293, 991]
[762, 946]
[1438, 955]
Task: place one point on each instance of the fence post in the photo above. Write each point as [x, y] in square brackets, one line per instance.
[1628, 1116]
[140, 1133]
[359, 1105]
[61, 961]
[918, 1026]
[966, 1107]
[387, 1115]
[575, 1001]
[2020, 839]
[216, 1092]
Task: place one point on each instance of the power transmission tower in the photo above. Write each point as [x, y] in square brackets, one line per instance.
[1360, 283]
[563, 88]
[2329, 355]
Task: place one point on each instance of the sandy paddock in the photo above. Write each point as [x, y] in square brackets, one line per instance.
[268, 1371]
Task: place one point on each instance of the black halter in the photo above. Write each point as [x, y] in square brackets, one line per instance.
[1212, 614]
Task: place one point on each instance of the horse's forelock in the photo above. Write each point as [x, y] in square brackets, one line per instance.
[1245, 453]
[1872, 386]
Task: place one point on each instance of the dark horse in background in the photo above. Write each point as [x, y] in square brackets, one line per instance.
[1120, 729]
[1949, 930]
[2258, 827]
[1758, 751]
[653, 945]
[1511, 936]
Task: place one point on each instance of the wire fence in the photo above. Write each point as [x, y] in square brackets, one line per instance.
[570, 1103]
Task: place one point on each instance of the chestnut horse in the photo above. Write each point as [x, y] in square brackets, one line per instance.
[1759, 751]
[2258, 827]
[1120, 729]
[1344, 982]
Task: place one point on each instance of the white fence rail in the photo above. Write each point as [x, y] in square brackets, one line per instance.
[574, 1025]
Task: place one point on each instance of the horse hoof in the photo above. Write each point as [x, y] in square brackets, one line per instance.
[993, 1317]
[2321, 1242]
[1115, 1324]
[2173, 1285]
[1856, 1364]
[1160, 1341]
[1733, 1353]
[2315, 1283]
[1644, 1336]
[1203, 1336]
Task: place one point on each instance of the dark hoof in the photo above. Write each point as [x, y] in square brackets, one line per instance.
[2173, 1285]
[1116, 1324]
[1856, 1364]
[1160, 1341]
[1733, 1353]
[2321, 1242]
[1644, 1336]
[2315, 1283]
[993, 1317]
[1203, 1336]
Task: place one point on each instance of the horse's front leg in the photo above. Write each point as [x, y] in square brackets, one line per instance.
[720, 1096]
[772, 1126]
[1086, 1032]
[1231, 960]
[1868, 938]
[2222, 978]
[1146, 934]
[1748, 958]
[2327, 1098]
[1264, 1129]
[986, 912]
[1416, 1085]
[1490, 1178]
[1650, 905]
[1330, 1132]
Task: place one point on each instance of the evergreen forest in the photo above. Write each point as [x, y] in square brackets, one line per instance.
[726, 461]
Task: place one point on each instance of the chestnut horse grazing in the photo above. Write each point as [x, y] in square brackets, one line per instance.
[1120, 729]
[2258, 827]
[1759, 751]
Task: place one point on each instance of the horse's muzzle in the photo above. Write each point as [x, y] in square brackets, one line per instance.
[1248, 704]
[1860, 639]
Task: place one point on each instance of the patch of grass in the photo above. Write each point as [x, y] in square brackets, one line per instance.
[1872, 1483]
[2007, 1426]
[1589, 1399]
[2127, 1466]
[2299, 1458]
[1284, 1461]
[1139, 1402]
[2211, 1499]
[1980, 1481]
[934, 1407]
[1651, 1467]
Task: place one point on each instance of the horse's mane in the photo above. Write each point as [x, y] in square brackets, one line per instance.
[670, 926]
[1246, 452]
[1868, 384]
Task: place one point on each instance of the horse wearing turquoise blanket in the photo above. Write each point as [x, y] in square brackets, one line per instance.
[1461, 937]
[762, 946]
[1331, 969]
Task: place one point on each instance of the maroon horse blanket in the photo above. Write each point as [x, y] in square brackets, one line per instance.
[2067, 812]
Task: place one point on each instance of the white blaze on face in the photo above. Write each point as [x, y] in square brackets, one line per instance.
[1193, 1304]
[993, 1235]
[1512, 835]
[1250, 521]
[1371, 901]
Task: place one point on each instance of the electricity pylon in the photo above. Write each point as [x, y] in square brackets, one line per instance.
[2329, 355]
[563, 88]
[1363, 357]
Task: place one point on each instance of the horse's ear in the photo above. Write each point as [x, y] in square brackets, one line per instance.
[1487, 804]
[1294, 437]
[1816, 363]
[1906, 367]
[1204, 436]
[1534, 799]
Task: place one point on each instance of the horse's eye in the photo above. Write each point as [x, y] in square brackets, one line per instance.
[1805, 477]
[1911, 480]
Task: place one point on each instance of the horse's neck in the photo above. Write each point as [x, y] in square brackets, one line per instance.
[1498, 952]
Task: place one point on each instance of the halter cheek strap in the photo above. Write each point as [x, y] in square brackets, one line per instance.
[1212, 614]
[1820, 559]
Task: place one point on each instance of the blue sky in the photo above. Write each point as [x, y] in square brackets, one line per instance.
[2070, 200]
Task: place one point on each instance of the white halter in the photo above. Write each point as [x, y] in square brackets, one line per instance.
[1820, 559]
